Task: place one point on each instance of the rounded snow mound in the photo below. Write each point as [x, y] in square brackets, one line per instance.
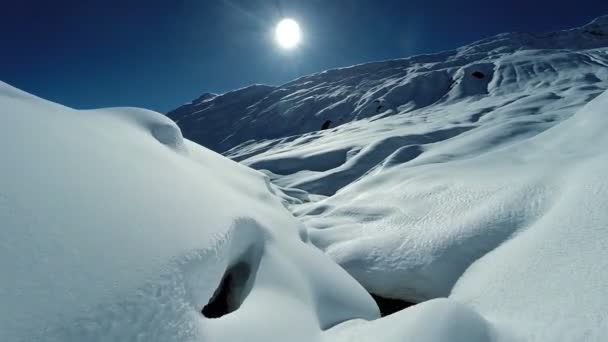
[108, 235]
[163, 129]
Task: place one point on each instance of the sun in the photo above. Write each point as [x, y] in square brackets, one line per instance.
[287, 33]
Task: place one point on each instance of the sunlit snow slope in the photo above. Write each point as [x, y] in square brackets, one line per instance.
[478, 174]
[115, 228]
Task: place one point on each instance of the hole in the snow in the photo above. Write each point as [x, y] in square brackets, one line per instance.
[326, 125]
[229, 296]
[478, 74]
[389, 306]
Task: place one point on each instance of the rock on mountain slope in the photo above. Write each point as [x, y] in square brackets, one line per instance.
[477, 173]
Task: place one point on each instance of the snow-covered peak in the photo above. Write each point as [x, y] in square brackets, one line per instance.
[592, 35]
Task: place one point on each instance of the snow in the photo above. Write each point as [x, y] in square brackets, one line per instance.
[116, 228]
[435, 320]
[435, 182]
[342, 95]
[560, 255]
[471, 181]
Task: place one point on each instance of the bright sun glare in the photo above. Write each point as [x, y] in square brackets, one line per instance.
[287, 33]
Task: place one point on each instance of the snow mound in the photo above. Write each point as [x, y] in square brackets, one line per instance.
[163, 129]
[115, 228]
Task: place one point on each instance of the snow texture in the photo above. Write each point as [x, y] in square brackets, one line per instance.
[115, 228]
[476, 174]
[471, 181]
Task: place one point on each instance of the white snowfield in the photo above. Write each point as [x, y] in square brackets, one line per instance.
[114, 228]
[472, 182]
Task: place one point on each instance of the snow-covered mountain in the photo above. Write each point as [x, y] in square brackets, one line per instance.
[477, 174]
[494, 67]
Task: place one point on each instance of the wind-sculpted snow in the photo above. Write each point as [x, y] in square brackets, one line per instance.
[554, 267]
[476, 174]
[114, 228]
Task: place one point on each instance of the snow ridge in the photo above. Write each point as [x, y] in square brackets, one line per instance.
[367, 90]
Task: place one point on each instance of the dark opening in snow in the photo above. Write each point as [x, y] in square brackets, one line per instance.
[231, 292]
[326, 125]
[478, 74]
[389, 306]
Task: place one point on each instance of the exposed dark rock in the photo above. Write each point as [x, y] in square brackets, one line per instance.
[478, 74]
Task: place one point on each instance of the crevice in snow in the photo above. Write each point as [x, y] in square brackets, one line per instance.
[229, 295]
[389, 305]
[235, 285]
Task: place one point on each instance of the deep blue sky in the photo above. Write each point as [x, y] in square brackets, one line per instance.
[160, 54]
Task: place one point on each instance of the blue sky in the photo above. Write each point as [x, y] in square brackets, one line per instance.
[160, 54]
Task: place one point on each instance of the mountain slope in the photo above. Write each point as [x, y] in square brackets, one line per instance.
[504, 63]
[476, 174]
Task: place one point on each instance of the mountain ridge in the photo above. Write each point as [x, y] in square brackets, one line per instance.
[352, 93]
